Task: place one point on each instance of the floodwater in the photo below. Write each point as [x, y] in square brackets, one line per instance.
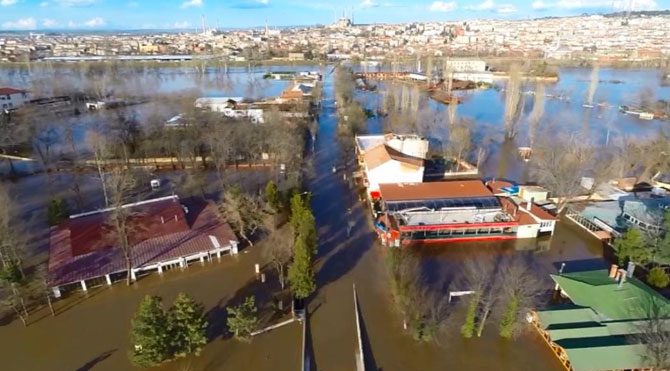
[91, 331]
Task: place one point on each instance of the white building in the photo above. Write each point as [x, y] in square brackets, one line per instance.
[11, 98]
[391, 158]
[466, 65]
[230, 107]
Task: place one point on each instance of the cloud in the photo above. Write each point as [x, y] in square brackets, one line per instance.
[182, 24]
[486, 5]
[95, 22]
[191, 4]
[7, 2]
[251, 4]
[76, 3]
[133, 4]
[44, 4]
[443, 6]
[21, 24]
[368, 4]
[595, 4]
[49, 23]
[506, 9]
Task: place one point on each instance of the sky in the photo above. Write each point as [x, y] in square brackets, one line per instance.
[187, 14]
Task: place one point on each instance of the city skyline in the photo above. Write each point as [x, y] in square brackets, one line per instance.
[187, 14]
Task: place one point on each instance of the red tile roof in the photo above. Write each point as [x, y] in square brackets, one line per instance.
[434, 190]
[91, 252]
[496, 186]
[10, 91]
[381, 154]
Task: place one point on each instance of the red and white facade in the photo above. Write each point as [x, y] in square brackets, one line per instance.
[455, 211]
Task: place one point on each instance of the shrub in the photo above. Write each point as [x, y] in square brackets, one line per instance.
[657, 277]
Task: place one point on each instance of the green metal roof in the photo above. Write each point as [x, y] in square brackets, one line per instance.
[595, 289]
[595, 330]
[615, 357]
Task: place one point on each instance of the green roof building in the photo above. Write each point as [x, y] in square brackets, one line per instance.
[597, 331]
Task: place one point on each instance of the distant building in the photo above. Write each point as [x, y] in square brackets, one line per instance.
[11, 98]
[466, 65]
[458, 210]
[231, 107]
[166, 233]
[296, 56]
[597, 326]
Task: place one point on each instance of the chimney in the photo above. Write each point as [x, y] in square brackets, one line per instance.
[162, 220]
[175, 217]
[529, 204]
[630, 270]
[613, 269]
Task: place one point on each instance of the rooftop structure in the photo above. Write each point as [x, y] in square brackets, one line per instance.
[390, 158]
[596, 331]
[164, 233]
[458, 210]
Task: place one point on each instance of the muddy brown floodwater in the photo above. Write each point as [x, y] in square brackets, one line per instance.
[91, 331]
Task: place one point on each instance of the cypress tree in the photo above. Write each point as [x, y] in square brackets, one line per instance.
[272, 195]
[300, 273]
[187, 326]
[150, 335]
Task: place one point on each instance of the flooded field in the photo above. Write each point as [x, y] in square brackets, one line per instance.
[91, 331]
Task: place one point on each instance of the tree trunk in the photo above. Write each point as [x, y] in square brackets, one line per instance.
[281, 276]
[482, 321]
[51, 307]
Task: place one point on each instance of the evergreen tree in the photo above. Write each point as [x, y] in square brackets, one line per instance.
[468, 328]
[272, 195]
[632, 246]
[300, 273]
[658, 278]
[243, 319]
[187, 326]
[57, 211]
[150, 335]
[509, 317]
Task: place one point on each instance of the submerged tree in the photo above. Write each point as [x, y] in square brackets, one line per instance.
[279, 252]
[301, 274]
[243, 319]
[424, 313]
[242, 211]
[150, 334]
[272, 196]
[520, 290]
[187, 326]
[536, 114]
[478, 277]
[120, 184]
[559, 165]
[512, 102]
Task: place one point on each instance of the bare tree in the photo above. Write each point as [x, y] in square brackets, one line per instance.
[654, 333]
[424, 312]
[243, 212]
[520, 290]
[512, 102]
[11, 240]
[97, 142]
[536, 114]
[120, 184]
[478, 276]
[593, 84]
[559, 165]
[279, 251]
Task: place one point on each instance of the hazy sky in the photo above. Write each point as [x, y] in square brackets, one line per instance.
[124, 14]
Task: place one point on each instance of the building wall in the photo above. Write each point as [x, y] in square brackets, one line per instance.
[466, 65]
[486, 77]
[13, 100]
[392, 172]
[528, 231]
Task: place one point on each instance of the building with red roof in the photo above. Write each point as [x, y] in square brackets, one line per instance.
[455, 210]
[165, 233]
[11, 98]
